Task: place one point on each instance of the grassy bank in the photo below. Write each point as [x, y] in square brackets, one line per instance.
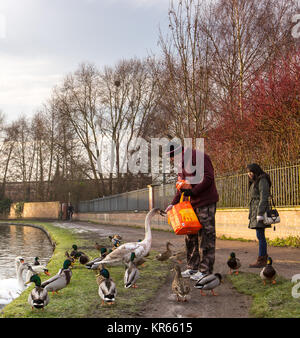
[80, 298]
[270, 301]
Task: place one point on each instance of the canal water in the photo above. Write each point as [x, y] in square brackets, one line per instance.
[25, 241]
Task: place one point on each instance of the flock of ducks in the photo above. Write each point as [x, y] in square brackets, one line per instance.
[181, 287]
[268, 273]
[130, 254]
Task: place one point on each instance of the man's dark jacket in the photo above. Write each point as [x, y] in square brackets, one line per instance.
[205, 192]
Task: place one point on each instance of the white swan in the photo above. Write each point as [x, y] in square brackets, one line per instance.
[11, 288]
[122, 253]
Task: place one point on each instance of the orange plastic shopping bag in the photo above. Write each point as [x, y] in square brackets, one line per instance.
[183, 218]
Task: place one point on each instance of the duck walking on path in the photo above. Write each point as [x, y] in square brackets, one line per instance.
[268, 272]
[180, 285]
[163, 256]
[233, 263]
[209, 282]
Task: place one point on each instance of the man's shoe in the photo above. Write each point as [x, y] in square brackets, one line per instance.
[188, 273]
[198, 275]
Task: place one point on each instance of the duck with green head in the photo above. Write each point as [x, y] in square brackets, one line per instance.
[103, 253]
[233, 263]
[74, 251]
[83, 258]
[60, 280]
[38, 297]
[36, 261]
[268, 272]
[107, 288]
[131, 274]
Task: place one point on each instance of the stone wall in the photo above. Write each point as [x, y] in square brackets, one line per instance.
[229, 222]
[47, 210]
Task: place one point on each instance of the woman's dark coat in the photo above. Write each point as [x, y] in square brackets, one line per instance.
[259, 202]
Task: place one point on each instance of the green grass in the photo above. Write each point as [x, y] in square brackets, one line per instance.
[269, 301]
[223, 237]
[80, 298]
[292, 241]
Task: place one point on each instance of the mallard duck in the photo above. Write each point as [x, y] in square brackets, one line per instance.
[97, 246]
[36, 261]
[60, 280]
[115, 236]
[107, 288]
[103, 253]
[38, 297]
[163, 256]
[36, 270]
[233, 263]
[209, 282]
[180, 285]
[116, 241]
[131, 274]
[83, 258]
[74, 251]
[268, 272]
[178, 257]
[122, 253]
[69, 257]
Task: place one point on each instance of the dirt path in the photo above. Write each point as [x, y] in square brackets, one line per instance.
[228, 304]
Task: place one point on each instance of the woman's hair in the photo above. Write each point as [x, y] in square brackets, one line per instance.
[258, 174]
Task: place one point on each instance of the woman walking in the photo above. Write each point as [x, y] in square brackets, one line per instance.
[259, 191]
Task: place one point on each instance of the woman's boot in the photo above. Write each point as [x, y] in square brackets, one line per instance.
[260, 263]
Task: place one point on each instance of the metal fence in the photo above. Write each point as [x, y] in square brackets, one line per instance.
[233, 193]
[128, 201]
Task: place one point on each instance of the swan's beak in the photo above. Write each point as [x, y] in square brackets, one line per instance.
[22, 261]
[47, 273]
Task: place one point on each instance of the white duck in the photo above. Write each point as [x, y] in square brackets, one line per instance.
[36, 270]
[122, 253]
[11, 288]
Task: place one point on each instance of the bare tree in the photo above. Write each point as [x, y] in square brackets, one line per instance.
[184, 73]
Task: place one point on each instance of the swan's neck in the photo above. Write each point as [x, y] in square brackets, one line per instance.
[20, 276]
[148, 235]
[17, 265]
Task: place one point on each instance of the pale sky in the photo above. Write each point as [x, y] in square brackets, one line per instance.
[43, 40]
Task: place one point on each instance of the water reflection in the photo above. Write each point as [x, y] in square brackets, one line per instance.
[26, 241]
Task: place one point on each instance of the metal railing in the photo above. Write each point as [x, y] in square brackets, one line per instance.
[128, 201]
[232, 189]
